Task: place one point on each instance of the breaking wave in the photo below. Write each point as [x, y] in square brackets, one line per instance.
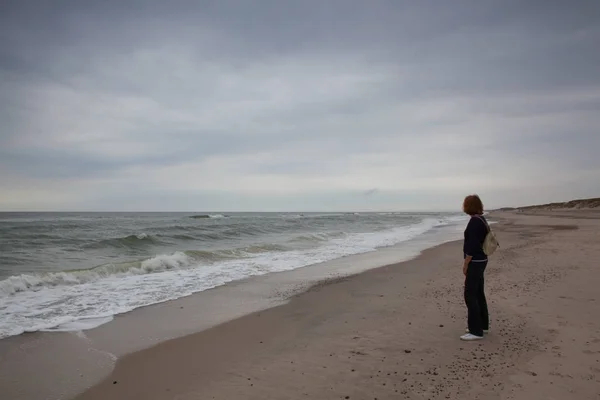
[160, 263]
[36, 301]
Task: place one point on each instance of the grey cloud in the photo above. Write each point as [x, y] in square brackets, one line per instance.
[317, 82]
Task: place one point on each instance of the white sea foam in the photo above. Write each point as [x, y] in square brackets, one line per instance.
[78, 325]
[84, 299]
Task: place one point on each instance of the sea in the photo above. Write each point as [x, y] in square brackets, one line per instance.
[74, 271]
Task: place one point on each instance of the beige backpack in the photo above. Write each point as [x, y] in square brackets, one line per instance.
[490, 243]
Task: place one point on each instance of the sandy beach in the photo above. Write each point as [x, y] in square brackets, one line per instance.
[272, 200]
[391, 332]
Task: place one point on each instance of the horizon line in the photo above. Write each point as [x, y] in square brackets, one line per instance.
[224, 212]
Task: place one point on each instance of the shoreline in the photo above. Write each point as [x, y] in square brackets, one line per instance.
[392, 332]
[389, 332]
[249, 329]
[151, 325]
[95, 296]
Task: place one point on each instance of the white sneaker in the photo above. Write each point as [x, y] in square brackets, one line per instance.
[469, 337]
[484, 331]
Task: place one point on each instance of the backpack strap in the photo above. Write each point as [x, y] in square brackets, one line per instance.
[487, 226]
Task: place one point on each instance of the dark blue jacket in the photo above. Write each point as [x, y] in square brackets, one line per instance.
[474, 236]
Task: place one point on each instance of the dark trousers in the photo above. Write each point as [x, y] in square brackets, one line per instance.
[475, 298]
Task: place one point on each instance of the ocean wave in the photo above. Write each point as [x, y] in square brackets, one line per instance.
[184, 237]
[292, 216]
[264, 248]
[332, 216]
[208, 216]
[42, 301]
[190, 233]
[223, 232]
[26, 282]
[130, 242]
[159, 263]
[339, 242]
[39, 236]
[318, 237]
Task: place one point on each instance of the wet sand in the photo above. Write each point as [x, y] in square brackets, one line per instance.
[392, 332]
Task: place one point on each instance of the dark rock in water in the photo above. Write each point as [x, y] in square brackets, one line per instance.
[407, 351]
[115, 382]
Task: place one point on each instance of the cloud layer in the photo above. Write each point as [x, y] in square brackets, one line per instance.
[275, 105]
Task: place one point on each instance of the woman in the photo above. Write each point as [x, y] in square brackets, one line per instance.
[475, 261]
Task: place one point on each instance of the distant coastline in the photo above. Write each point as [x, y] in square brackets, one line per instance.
[590, 203]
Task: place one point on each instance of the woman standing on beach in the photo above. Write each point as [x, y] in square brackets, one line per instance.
[475, 261]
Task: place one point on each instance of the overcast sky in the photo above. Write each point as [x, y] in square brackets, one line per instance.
[297, 105]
